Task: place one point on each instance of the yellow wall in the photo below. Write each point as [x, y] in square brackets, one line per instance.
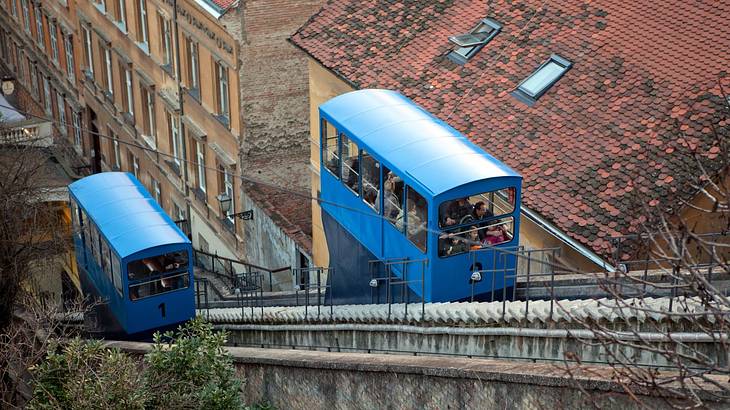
[323, 85]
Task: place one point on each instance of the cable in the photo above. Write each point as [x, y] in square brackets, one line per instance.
[249, 179]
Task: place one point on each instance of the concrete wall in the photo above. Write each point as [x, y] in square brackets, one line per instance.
[318, 380]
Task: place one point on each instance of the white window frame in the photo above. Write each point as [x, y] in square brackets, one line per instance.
[108, 62]
[26, 15]
[76, 119]
[117, 153]
[53, 35]
[129, 90]
[68, 40]
[200, 157]
[194, 64]
[228, 186]
[224, 108]
[89, 51]
[142, 8]
[175, 136]
[156, 190]
[122, 17]
[166, 41]
[135, 166]
[39, 27]
[47, 95]
[62, 125]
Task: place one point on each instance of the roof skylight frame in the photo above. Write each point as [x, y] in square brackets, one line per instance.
[473, 40]
[527, 96]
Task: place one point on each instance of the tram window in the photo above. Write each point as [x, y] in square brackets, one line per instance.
[392, 196]
[74, 217]
[462, 211]
[370, 180]
[116, 273]
[472, 237]
[350, 164]
[416, 219]
[105, 258]
[330, 148]
[94, 242]
[158, 274]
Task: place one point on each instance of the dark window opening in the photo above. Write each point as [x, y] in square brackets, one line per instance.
[158, 274]
[467, 45]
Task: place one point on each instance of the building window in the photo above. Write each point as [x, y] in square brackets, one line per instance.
[14, 8]
[127, 93]
[193, 66]
[121, 14]
[148, 114]
[34, 81]
[156, 190]
[166, 44]
[47, 95]
[70, 58]
[142, 24]
[134, 163]
[467, 45]
[54, 40]
[106, 71]
[61, 113]
[26, 15]
[100, 5]
[39, 27]
[175, 139]
[226, 182]
[221, 77]
[537, 84]
[76, 119]
[117, 154]
[89, 57]
[200, 167]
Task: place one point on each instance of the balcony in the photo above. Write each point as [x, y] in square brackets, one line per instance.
[32, 132]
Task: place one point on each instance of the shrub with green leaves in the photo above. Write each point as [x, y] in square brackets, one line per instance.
[191, 369]
[87, 375]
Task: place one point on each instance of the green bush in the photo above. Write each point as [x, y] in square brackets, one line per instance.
[185, 369]
[87, 375]
[191, 370]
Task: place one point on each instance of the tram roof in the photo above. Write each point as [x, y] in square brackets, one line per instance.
[414, 141]
[125, 213]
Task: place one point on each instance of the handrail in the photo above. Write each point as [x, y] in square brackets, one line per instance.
[240, 262]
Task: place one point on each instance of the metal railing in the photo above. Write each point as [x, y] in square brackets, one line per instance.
[389, 275]
[308, 279]
[229, 269]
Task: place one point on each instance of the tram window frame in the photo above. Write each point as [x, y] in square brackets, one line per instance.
[116, 273]
[416, 232]
[105, 257]
[506, 195]
[346, 141]
[94, 235]
[388, 176]
[154, 281]
[333, 166]
[370, 187]
[445, 249]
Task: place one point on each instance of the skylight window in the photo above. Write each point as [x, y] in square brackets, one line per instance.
[542, 79]
[467, 45]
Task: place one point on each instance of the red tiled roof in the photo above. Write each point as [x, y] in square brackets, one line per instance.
[281, 190]
[609, 137]
[221, 4]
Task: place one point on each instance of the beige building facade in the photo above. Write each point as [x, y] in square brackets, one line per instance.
[158, 88]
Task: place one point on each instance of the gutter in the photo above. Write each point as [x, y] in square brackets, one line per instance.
[553, 230]
[654, 337]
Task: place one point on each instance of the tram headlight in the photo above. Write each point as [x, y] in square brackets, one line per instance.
[373, 283]
[476, 276]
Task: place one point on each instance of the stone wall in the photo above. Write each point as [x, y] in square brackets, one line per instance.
[274, 76]
[289, 379]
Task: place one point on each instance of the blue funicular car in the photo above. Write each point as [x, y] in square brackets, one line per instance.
[131, 256]
[397, 183]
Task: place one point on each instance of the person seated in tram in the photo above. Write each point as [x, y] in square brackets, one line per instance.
[457, 211]
[391, 205]
[473, 238]
[414, 220]
[495, 234]
[480, 212]
[352, 173]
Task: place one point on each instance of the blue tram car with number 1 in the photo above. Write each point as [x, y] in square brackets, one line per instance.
[132, 258]
[398, 184]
